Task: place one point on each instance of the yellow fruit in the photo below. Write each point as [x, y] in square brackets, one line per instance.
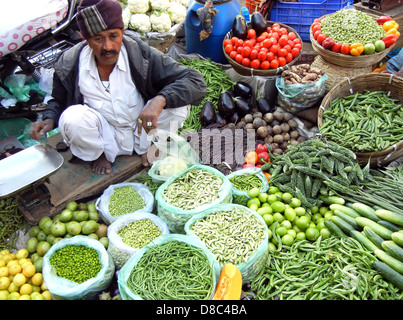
[4, 252]
[19, 279]
[11, 277]
[36, 288]
[23, 261]
[4, 272]
[2, 263]
[7, 258]
[26, 288]
[22, 253]
[4, 283]
[12, 263]
[47, 295]
[25, 297]
[14, 269]
[37, 296]
[37, 279]
[12, 287]
[44, 287]
[29, 270]
[14, 296]
[4, 294]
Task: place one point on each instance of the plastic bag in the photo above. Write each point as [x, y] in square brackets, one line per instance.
[176, 217]
[253, 170]
[102, 203]
[296, 97]
[64, 289]
[174, 151]
[20, 89]
[257, 260]
[124, 273]
[121, 252]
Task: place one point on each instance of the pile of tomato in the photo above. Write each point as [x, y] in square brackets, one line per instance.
[270, 49]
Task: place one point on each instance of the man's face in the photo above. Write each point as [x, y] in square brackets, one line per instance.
[106, 45]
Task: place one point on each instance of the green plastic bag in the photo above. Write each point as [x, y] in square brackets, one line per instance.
[124, 273]
[257, 260]
[253, 170]
[176, 217]
[64, 289]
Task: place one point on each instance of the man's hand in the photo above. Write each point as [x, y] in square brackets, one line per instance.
[40, 128]
[150, 114]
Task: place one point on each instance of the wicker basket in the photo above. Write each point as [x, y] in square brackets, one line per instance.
[245, 71]
[372, 82]
[347, 60]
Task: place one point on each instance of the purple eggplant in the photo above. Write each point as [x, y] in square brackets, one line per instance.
[263, 105]
[242, 106]
[239, 27]
[207, 114]
[242, 89]
[225, 104]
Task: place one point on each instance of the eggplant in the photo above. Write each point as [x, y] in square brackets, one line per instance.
[258, 22]
[242, 106]
[263, 105]
[243, 90]
[225, 104]
[239, 28]
[235, 118]
[220, 120]
[207, 115]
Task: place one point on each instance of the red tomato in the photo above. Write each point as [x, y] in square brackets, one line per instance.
[251, 33]
[248, 43]
[262, 56]
[264, 49]
[257, 46]
[282, 52]
[283, 40]
[345, 49]
[295, 52]
[315, 27]
[336, 48]
[239, 49]
[274, 64]
[282, 61]
[291, 43]
[275, 27]
[292, 35]
[253, 41]
[239, 43]
[266, 43]
[238, 58]
[227, 41]
[316, 34]
[246, 51]
[317, 20]
[287, 47]
[283, 31]
[321, 38]
[246, 62]
[274, 48]
[233, 54]
[297, 40]
[265, 65]
[276, 35]
[273, 40]
[268, 29]
[298, 45]
[270, 56]
[253, 54]
[260, 38]
[289, 57]
[265, 34]
[255, 64]
[229, 48]
[234, 40]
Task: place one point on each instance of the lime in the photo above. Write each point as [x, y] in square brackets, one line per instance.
[254, 192]
[323, 210]
[266, 204]
[300, 211]
[292, 232]
[303, 222]
[91, 207]
[300, 235]
[58, 229]
[281, 231]
[271, 198]
[44, 220]
[325, 233]
[273, 189]
[286, 224]
[38, 264]
[41, 236]
[272, 247]
[66, 215]
[42, 247]
[268, 218]
[279, 194]
[31, 244]
[269, 233]
[277, 216]
[73, 228]
[314, 209]
[80, 215]
[254, 207]
[255, 201]
[104, 241]
[278, 206]
[295, 202]
[264, 210]
[82, 206]
[312, 233]
[93, 236]
[262, 197]
[316, 216]
[286, 196]
[34, 231]
[320, 225]
[50, 238]
[287, 239]
[93, 215]
[328, 214]
[290, 214]
[72, 206]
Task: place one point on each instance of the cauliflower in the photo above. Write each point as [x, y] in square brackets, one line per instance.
[140, 22]
[171, 166]
[126, 15]
[184, 3]
[159, 4]
[160, 21]
[177, 12]
[138, 6]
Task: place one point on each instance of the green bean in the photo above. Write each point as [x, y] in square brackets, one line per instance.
[245, 182]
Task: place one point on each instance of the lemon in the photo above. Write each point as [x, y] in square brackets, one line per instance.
[26, 288]
[4, 272]
[23, 261]
[12, 263]
[36, 288]
[19, 279]
[7, 258]
[25, 297]
[37, 296]
[44, 287]
[37, 279]
[14, 296]
[47, 295]
[2, 263]
[29, 270]
[4, 294]
[12, 287]
[4, 252]
[22, 253]
[14, 269]
[4, 283]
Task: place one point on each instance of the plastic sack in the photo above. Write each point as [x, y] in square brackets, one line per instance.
[124, 273]
[119, 251]
[20, 89]
[257, 260]
[102, 203]
[64, 289]
[176, 217]
[252, 170]
[296, 97]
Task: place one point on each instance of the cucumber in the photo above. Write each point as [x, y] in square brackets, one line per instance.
[389, 274]
[365, 211]
[332, 200]
[393, 249]
[389, 260]
[347, 218]
[343, 225]
[346, 210]
[334, 229]
[389, 225]
[397, 238]
[373, 237]
[359, 236]
[385, 233]
[390, 216]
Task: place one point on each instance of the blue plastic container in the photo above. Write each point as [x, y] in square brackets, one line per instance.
[210, 47]
[300, 15]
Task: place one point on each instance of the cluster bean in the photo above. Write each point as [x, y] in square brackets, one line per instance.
[352, 26]
[139, 233]
[172, 271]
[232, 236]
[329, 269]
[125, 200]
[245, 182]
[77, 263]
[194, 188]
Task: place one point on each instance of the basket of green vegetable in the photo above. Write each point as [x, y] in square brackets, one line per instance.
[351, 38]
[365, 115]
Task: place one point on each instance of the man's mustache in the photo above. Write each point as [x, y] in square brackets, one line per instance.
[104, 52]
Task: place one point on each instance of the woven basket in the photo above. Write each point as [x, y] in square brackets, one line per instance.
[337, 73]
[245, 71]
[372, 82]
[347, 60]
